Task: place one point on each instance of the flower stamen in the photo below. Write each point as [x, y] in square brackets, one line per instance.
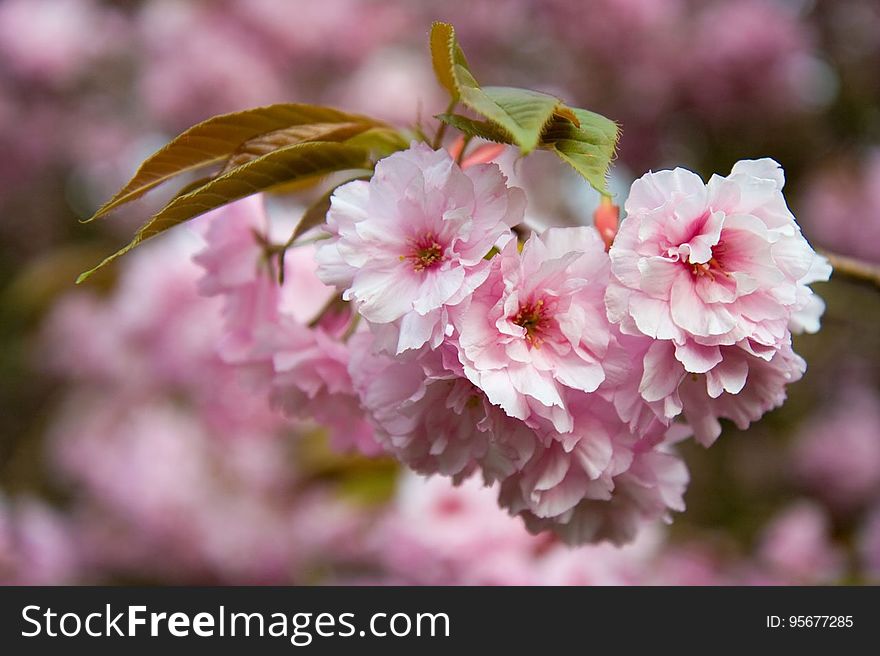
[426, 253]
[709, 269]
[534, 319]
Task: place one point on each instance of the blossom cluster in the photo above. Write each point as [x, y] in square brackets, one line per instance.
[558, 370]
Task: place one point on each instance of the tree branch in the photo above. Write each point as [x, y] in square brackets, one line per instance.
[850, 267]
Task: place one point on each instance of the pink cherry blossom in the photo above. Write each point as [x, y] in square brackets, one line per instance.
[742, 387]
[411, 242]
[569, 467]
[157, 288]
[237, 268]
[431, 419]
[311, 380]
[710, 265]
[165, 451]
[154, 333]
[718, 274]
[648, 485]
[537, 326]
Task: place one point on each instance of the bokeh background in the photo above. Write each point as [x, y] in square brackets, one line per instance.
[130, 454]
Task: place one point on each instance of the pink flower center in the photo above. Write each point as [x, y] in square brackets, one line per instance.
[705, 269]
[534, 318]
[425, 253]
[712, 268]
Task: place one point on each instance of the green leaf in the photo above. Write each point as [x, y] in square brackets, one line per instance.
[213, 141]
[588, 148]
[287, 164]
[522, 113]
[529, 119]
[588, 145]
[471, 127]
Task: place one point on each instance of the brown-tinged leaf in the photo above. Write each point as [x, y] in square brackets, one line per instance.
[214, 140]
[444, 52]
[284, 165]
[381, 142]
[264, 144]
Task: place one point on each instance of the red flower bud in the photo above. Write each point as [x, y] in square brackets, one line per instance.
[606, 218]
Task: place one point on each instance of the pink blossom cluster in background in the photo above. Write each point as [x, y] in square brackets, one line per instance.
[165, 448]
[37, 544]
[837, 454]
[439, 534]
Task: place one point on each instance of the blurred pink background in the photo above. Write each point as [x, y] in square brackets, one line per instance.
[130, 453]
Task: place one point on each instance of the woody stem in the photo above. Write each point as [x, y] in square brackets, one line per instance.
[854, 269]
